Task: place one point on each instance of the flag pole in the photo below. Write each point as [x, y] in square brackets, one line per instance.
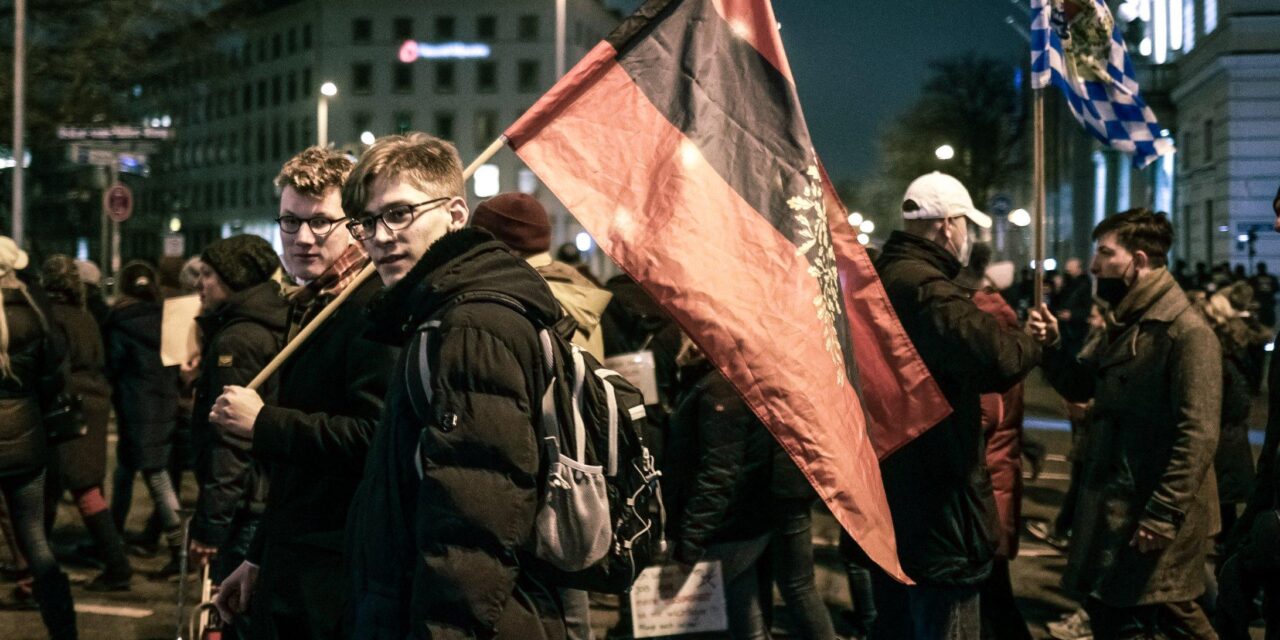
[365, 274]
[1038, 187]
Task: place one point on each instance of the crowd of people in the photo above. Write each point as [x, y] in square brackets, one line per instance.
[387, 480]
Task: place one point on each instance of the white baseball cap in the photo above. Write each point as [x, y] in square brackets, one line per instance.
[12, 257]
[938, 195]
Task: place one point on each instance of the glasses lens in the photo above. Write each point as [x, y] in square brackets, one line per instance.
[357, 228]
[398, 217]
[320, 226]
[289, 224]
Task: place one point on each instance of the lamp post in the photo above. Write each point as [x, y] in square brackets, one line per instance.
[19, 115]
[327, 90]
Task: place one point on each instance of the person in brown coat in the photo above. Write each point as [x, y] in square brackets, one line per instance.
[80, 465]
[1148, 506]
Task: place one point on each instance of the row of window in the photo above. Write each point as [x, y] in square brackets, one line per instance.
[1193, 147]
[444, 74]
[528, 29]
[486, 125]
[280, 89]
[277, 45]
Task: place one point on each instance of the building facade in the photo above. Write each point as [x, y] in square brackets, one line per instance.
[251, 98]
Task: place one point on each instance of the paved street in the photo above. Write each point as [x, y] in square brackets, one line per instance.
[149, 611]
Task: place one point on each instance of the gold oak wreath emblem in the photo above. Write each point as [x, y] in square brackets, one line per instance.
[810, 214]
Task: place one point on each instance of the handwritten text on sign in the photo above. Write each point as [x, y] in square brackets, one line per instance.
[665, 600]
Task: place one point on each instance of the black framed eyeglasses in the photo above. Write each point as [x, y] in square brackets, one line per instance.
[394, 218]
[320, 226]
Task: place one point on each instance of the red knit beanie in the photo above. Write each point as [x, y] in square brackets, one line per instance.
[517, 219]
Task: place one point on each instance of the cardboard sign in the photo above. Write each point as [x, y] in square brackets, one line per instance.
[178, 341]
[639, 369]
[665, 601]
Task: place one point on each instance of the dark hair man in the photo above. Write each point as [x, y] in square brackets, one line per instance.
[315, 437]
[938, 487]
[438, 532]
[1147, 509]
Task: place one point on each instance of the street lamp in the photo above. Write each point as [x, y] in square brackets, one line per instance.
[367, 138]
[945, 152]
[1019, 217]
[327, 90]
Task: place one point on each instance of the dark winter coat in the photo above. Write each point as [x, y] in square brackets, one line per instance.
[1156, 381]
[1257, 532]
[146, 394]
[38, 361]
[443, 555]
[82, 462]
[241, 336]
[939, 491]
[716, 474]
[1233, 461]
[314, 441]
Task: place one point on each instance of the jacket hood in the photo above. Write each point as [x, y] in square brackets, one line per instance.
[136, 318]
[905, 245]
[462, 262]
[261, 303]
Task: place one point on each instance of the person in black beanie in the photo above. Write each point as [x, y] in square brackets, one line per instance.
[243, 320]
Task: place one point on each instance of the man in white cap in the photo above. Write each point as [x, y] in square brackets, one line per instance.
[939, 491]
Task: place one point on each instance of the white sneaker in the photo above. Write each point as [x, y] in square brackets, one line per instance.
[1074, 626]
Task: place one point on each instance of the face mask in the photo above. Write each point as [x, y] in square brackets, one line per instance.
[1112, 290]
[962, 252]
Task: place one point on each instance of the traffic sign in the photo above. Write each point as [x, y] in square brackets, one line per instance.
[117, 202]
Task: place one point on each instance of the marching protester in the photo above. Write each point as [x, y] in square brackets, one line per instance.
[243, 321]
[717, 484]
[79, 465]
[316, 435]
[145, 401]
[521, 222]
[1147, 507]
[938, 488]
[439, 531]
[32, 379]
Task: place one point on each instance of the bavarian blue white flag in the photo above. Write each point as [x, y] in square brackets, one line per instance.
[1077, 45]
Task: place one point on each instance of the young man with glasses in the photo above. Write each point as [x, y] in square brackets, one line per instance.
[315, 437]
[438, 534]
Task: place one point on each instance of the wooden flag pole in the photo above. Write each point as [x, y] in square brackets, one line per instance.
[365, 274]
[1039, 193]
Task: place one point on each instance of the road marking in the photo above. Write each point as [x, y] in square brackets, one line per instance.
[119, 612]
[1040, 423]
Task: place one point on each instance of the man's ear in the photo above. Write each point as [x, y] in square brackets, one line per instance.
[458, 213]
[1141, 260]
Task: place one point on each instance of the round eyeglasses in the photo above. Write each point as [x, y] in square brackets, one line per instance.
[394, 218]
[319, 226]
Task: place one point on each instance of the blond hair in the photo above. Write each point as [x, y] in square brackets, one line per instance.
[314, 171]
[428, 163]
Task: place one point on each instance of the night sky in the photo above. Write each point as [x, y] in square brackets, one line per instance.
[858, 63]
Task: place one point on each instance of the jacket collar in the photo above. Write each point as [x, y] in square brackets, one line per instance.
[911, 246]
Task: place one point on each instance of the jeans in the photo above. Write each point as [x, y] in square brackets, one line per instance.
[741, 586]
[1172, 620]
[230, 554]
[861, 595]
[577, 614]
[25, 496]
[791, 551]
[924, 612]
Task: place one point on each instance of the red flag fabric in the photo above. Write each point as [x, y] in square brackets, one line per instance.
[680, 145]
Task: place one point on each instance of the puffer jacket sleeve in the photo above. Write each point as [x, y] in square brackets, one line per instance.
[1195, 370]
[477, 499]
[228, 464]
[722, 427]
[976, 347]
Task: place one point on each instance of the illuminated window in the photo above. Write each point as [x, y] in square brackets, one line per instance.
[1210, 16]
[487, 77]
[1188, 24]
[526, 181]
[487, 183]
[361, 31]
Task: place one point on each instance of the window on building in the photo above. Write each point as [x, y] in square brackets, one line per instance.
[360, 122]
[306, 82]
[246, 192]
[246, 146]
[404, 122]
[262, 94]
[444, 125]
[361, 31]
[1210, 229]
[292, 43]
[527, 75]
[1210, 16]
[277, 90]
[402, 77]
[446, 28]
[361, 77]
[487, 28]
[277, 46]
[277, 142]
[291, 136]
[485, 129]
[1184, 151]
[304, 131]
[1188, 25]
[292, 86]
[1206, 140]
[528, 29]
[446, 77]
[487, 76]
[306, 36]
[262, 49]
[402, 29]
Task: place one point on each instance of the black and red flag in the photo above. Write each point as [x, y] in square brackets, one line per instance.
[679, 144]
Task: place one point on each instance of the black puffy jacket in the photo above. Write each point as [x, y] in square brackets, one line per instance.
[146, 397]
[939, 491]
[241, 336]
[38, 363]
[443, 554]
